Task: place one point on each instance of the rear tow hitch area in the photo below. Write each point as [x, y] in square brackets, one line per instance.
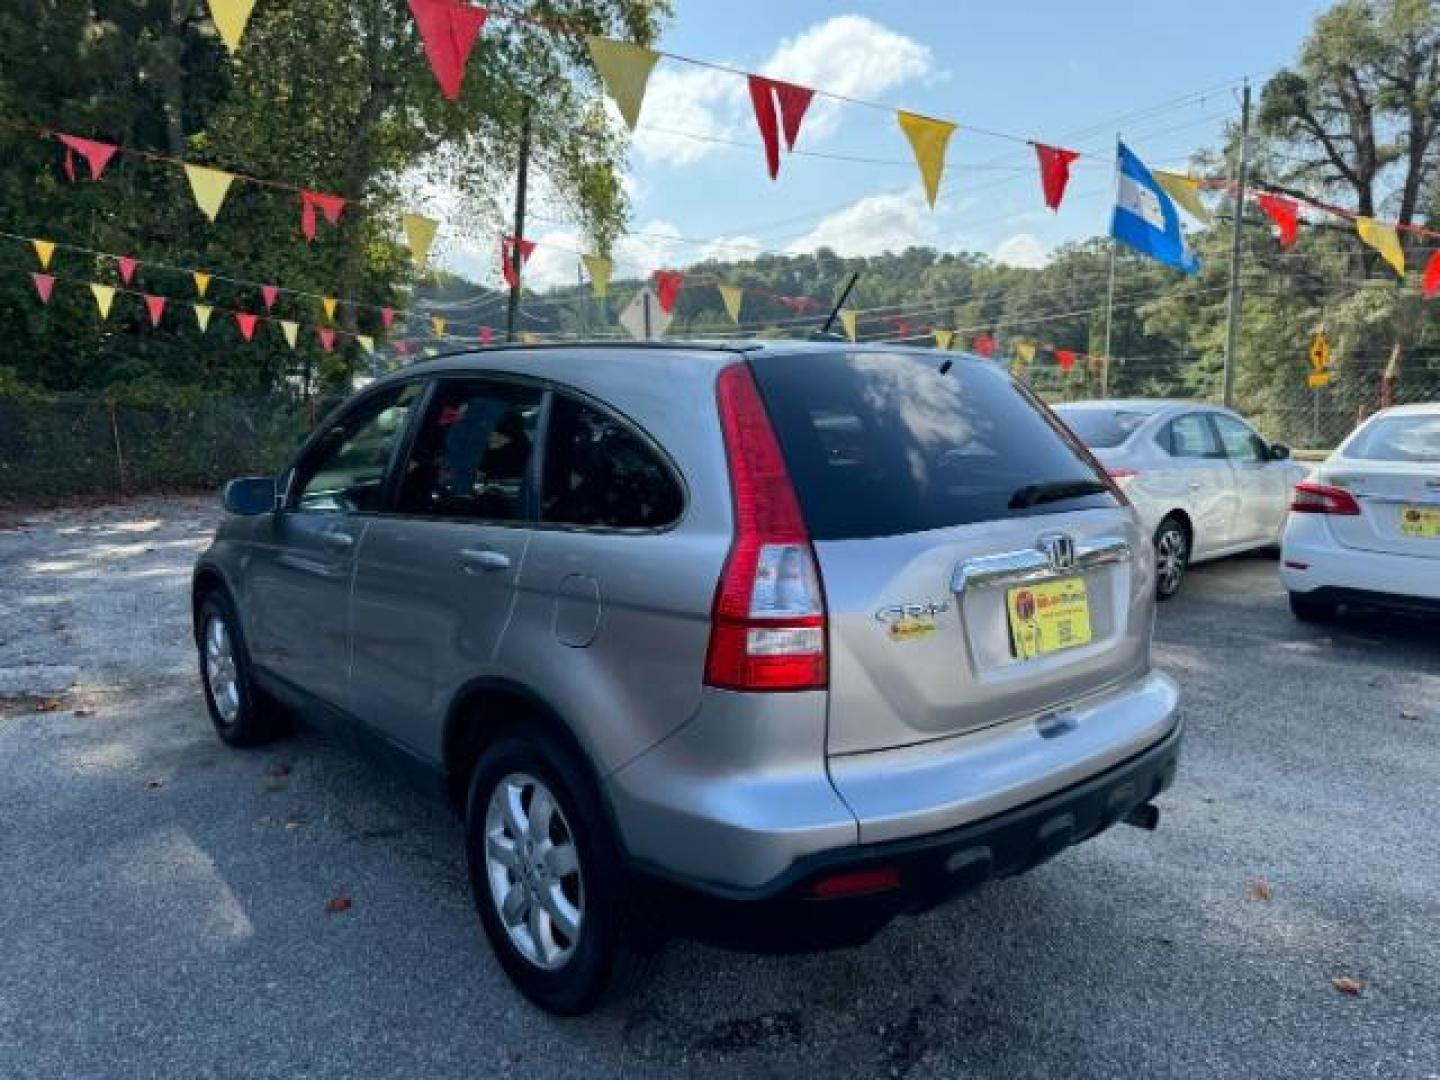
[1145, 816]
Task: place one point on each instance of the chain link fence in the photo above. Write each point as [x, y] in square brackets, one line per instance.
[68, 448]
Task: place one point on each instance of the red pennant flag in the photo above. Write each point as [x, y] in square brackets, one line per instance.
[127, 268]
[984, 345]
[327, 338]
[487, 335]
[794, 100]
[507, 257]
[667, 288]
[329, 205]
[1054, 172]
[98, 154]
[1285, 213]
[155, 305]
[44, 285]
[387, 317]
[246, 322]
[1431, 281]
[1066, 357]
[798, 304]
[402, 347]
[448, 29]
[269, 293]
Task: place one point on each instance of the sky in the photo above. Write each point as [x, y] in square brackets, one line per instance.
[1165, 77]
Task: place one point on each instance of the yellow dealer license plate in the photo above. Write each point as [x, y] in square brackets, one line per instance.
[1420, 521]
[1048, 616]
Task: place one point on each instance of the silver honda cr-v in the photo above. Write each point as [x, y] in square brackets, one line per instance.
[810, 634]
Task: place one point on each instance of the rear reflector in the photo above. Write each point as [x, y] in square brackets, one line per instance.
[1323, 499]
[856, 883]
[767, 626]
[1291, 564]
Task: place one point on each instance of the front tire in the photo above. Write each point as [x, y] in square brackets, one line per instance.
[547, 875]
[1172, 557]
[1310, 609]
[241, 714]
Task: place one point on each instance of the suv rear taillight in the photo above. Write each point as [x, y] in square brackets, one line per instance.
[767, 626]
[1323, 499]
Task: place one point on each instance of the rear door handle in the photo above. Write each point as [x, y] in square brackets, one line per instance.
[1194, 485]
[475, 560]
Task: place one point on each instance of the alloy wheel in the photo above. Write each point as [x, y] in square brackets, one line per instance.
[1170, 559]
[220, 671]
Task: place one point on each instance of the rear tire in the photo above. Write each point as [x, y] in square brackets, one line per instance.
[1310, 609]
[242, 715]
[547, 875]
[1172, 557]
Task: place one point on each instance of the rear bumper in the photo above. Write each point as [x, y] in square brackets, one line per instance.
[786, 915]
[744, 798]
[1352, 575]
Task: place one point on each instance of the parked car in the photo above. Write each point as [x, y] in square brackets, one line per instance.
[1365, 529]
[807, 633]
[1202, 479]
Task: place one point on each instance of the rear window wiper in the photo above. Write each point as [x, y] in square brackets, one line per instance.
[1054, 491]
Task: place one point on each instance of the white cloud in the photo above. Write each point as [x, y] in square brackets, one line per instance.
[847, 54]
[651, 245]
[870, 226]
[1023, 250]
[730, 248]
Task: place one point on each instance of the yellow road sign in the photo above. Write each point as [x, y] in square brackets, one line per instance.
[1317, 379]
[1320, 352]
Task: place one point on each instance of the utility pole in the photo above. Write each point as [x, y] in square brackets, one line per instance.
[522, 172]
[1232, 310]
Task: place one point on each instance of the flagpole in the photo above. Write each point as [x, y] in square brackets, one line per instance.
[1232, 310]
[1109, 301]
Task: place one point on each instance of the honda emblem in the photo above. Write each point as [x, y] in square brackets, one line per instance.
[1059, 549]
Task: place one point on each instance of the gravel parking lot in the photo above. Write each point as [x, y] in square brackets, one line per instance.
[163, 900]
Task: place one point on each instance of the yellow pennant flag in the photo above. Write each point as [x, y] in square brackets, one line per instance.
[438, 325]
[230, 18]
[847, 320]
[366, 342]
[209, 187]
[104, 297]
[944, 338]
[420, 233]
[291, 330]
[529, 338]
[625, 69]
[598, 267]
[44, 251]
[202, 315]
[328, 303]
[732, 296]
[202, 282]
[1185, 190]
[1384, 239]
[928, 138]
[1025, 353]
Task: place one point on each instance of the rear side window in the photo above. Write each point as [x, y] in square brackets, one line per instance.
[879, 444]
[1191, 436]
[1241, 444]
[601, 474]
[1102, 429]
[471, 457]
[1398, 438]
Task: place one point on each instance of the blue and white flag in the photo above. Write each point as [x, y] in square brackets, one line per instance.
[1145, 218]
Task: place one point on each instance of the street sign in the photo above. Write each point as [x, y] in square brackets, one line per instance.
[641, 323]
[1320, 352]
[1317, 379]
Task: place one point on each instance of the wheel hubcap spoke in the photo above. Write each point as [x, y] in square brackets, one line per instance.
[220, 672]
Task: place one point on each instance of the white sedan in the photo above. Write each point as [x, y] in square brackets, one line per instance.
[1365, 529]
[1200, 477]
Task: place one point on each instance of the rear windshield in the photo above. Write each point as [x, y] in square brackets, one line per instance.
[881, 443]
[1398, 438]
[1102, 428]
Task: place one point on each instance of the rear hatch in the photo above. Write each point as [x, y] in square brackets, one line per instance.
[976, 564]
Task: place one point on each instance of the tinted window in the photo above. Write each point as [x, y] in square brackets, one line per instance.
[345, 471]
[1398, 438]
[882, 443]
[471, 457]
[1191, 436]
[600, 473]
[1241, 443]
[1102, 428]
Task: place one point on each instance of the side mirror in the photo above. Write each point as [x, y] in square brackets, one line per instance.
[1279, 452]
[250, 495]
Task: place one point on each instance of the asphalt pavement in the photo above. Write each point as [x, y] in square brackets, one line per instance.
[172, 908]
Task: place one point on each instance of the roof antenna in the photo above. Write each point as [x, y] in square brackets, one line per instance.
[844, 295]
